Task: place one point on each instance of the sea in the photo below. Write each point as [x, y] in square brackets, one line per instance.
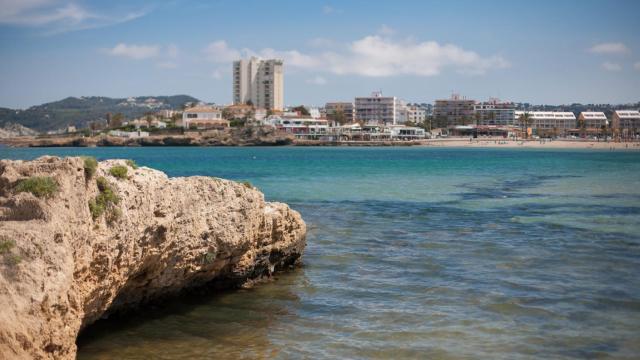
[431, 253]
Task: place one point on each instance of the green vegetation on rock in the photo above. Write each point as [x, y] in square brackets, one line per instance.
[40, 186]
[106, 201]
[132, 164]
[90, 166]
[119, 171]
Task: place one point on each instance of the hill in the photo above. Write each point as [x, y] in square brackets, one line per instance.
[80, 111]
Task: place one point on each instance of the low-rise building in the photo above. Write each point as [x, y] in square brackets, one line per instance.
[626, 120]
[129, 134]
[550, 122]
[301, 128]
[591, 120]
[202, 117]
[401, 132]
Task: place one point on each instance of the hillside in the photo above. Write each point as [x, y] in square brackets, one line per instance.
[80, 111]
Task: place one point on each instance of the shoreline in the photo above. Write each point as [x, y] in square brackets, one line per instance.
[497, 143]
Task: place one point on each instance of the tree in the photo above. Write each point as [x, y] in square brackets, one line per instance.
[338, 116]
[525, 120]
[149, 119]
[302, 110]
[227, 114]
[116, 121]
[583, 127]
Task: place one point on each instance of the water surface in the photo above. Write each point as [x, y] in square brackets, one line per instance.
[413, 252]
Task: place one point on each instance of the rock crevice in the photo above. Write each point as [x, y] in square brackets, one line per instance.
[62, 267]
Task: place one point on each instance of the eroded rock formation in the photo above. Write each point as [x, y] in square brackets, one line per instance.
[63, 266]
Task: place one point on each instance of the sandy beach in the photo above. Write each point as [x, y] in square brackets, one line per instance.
[543, 144]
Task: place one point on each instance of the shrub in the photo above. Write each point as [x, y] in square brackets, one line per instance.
[95, 209]
[90, 166]
[105, 201]
[209, 258]
[6, 246]
[119, 171]
[14, 259]
[247, 184]
[5, 250]
[102, 183]
[40, 186]
[132, 164]
[113, 214]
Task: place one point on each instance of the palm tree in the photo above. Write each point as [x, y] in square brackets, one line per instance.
[583, 127]
[525, 120]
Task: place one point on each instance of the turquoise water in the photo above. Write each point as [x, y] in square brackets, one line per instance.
[413, 252]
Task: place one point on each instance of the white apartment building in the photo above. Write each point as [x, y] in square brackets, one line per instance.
[545, 121]
[416, 114]
[626, 119]
[592, 119]
[259, 82]
[378, 109]
[495, 112]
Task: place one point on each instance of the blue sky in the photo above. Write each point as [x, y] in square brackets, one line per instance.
[541, 52]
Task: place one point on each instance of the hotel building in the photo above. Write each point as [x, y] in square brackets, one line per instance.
[494, 112]
[378, 109]
[545, 122]
[592, 119]
[259, 83]
[626, 120]
[454, 111]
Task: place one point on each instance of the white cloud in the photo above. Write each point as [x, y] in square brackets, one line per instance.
[609, 48]
[58, 16]
[317, 80]
[637, 65]
[137, 52]
[374, 56]
[609, 66]
[219, 51]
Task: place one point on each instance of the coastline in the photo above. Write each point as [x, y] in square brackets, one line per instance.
[154, 141]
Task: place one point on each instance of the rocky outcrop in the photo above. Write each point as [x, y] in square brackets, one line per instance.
[64, 264]
[9, 130]
[240, 136]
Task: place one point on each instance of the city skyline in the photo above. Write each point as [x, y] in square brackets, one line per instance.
[332, 51]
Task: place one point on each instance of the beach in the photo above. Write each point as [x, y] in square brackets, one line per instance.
[533, 143]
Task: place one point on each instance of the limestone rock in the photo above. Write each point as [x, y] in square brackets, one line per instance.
[61, 269]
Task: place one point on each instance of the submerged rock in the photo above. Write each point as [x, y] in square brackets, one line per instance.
[65, 263]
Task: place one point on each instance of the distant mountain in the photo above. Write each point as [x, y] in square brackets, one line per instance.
[83, 110]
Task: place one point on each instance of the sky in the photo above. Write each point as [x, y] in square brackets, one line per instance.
[552, 52]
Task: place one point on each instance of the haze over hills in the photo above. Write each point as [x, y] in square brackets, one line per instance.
[83, 110]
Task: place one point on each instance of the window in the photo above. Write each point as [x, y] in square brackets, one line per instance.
[192, 116]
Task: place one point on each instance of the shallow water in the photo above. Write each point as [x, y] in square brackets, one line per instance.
[413, 252]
